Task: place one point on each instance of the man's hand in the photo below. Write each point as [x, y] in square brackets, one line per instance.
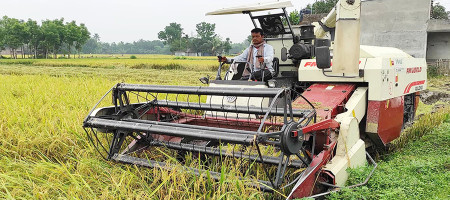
[222, 59]
[261, 59]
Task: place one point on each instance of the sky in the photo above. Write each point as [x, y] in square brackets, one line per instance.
[131, 20]
[121, 20]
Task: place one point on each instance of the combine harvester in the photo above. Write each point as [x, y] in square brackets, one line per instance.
[307, 116]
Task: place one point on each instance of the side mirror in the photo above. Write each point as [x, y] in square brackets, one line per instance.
[323, 58]
[204, 80]
[284, 53]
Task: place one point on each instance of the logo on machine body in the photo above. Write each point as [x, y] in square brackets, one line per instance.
[413, 70]
[395, 62]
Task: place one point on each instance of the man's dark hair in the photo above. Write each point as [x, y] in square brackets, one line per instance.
[258, 30]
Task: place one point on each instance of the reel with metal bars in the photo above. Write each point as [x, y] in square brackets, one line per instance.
[253, 124]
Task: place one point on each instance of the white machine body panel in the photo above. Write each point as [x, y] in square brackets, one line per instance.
[387, 77]
[236, 101]
[396, 77]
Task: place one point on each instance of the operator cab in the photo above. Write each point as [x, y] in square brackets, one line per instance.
[291, 44]
[241, 66]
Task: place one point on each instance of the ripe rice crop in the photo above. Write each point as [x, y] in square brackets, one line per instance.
[45, 154]
[142, 62]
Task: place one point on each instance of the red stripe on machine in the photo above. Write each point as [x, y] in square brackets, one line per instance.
[410, 85]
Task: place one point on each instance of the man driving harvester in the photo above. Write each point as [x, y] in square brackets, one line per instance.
[258, 57]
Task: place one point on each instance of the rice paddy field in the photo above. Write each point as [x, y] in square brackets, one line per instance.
[123, 60]
[45, 153]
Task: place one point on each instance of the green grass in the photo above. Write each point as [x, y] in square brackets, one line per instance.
[418, 169]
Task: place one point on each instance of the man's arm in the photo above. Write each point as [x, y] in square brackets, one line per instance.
[268, 54]
[239, 58]
[242, 57]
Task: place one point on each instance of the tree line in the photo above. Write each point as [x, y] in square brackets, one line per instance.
[206, 41]
[172, 39]
[42, 40]
[95, 46]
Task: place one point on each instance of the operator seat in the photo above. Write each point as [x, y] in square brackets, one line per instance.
[240, 70]
[241, 66]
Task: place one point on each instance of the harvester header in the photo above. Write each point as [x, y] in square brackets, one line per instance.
[328, 100]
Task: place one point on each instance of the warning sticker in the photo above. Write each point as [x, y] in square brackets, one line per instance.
[329, 87]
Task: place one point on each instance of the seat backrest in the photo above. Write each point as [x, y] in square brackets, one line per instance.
[240, 70]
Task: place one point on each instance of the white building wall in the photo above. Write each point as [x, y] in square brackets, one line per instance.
[396, 23]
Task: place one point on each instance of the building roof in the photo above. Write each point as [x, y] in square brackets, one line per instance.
[438, 25]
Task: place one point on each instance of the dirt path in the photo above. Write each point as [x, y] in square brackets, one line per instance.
[437, 94]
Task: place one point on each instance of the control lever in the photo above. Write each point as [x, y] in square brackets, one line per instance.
[218, 77]
[260, 65]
